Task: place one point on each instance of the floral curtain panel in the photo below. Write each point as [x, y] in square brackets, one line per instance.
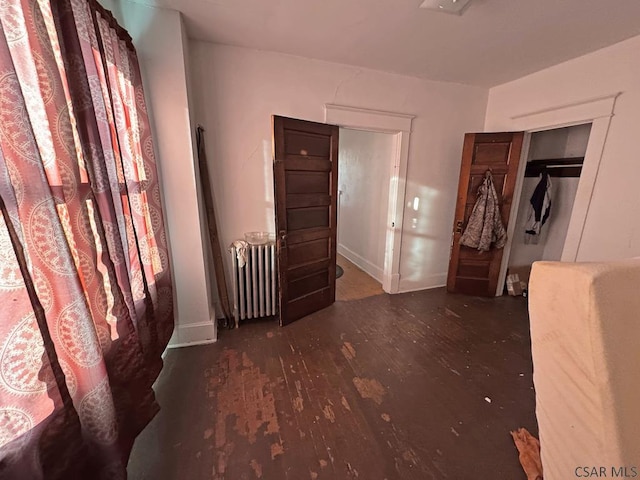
[85, 287]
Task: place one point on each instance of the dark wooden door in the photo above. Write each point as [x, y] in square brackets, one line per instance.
[470, 271]
[306, 185]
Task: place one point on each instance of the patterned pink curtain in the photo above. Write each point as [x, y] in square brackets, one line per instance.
[85, 288]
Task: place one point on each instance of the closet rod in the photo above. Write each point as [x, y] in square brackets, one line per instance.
[561, 166]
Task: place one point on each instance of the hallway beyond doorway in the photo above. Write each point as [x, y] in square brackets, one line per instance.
[355, 284]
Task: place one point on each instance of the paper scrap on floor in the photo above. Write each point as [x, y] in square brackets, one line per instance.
[529, 448]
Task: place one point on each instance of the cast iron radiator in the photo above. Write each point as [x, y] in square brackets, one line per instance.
[255, 283]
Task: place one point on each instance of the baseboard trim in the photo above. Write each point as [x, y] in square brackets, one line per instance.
[191, 344]
[202, 333]
[362, 263]
[436, 280]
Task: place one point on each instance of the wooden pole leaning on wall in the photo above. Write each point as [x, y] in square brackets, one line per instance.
[214, 240]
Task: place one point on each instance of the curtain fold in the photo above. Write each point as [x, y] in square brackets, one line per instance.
[85, 284]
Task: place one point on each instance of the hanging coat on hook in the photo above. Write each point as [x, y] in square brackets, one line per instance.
[539, 209]
[485, 223]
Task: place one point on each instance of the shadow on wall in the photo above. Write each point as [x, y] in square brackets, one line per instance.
[114, 7]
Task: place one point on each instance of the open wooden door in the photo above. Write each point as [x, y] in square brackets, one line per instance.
[306, 185]
[470, 271]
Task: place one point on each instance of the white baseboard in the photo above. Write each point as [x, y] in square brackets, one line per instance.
[193, 334]
[436, 280]
[364, 264]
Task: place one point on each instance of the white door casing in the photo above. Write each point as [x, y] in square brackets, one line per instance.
[598, 111]
[399, 125]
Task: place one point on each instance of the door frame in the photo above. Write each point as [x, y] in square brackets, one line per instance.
[598, 111]
[399, 125]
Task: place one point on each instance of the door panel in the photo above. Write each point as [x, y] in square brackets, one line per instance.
[310, 283]
[470, 271]
[306, 269]
[305, 183]
[305, 305]
[303, 163]
[308, 252]
[492, 154]
[307, 217]
[474, 269]
[301, 200]
[311, 144]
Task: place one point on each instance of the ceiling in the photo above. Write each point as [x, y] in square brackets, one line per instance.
[495, 41]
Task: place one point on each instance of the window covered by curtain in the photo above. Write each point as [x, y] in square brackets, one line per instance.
[85, 288]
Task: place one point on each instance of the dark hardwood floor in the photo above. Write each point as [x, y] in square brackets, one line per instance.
[421, 385]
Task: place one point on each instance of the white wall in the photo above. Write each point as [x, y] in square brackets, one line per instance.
[236, 92]
[612, 228]
[208, 254]
[158, 37]
[363, 184]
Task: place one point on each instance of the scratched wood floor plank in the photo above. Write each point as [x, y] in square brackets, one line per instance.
[422, 385]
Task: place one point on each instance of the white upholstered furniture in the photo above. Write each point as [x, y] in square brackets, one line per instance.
[585, 335]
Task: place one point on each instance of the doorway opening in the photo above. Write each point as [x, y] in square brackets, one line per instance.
[398, 125]
[553, 164]
[363, 193]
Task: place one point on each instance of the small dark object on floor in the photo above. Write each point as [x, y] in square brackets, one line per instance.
[339, 271]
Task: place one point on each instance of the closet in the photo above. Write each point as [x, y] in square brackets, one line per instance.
[559, 153]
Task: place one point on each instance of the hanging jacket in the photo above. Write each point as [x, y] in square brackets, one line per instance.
[539, 205]
[485, 224]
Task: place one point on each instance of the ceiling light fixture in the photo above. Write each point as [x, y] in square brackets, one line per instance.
[457, 7]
